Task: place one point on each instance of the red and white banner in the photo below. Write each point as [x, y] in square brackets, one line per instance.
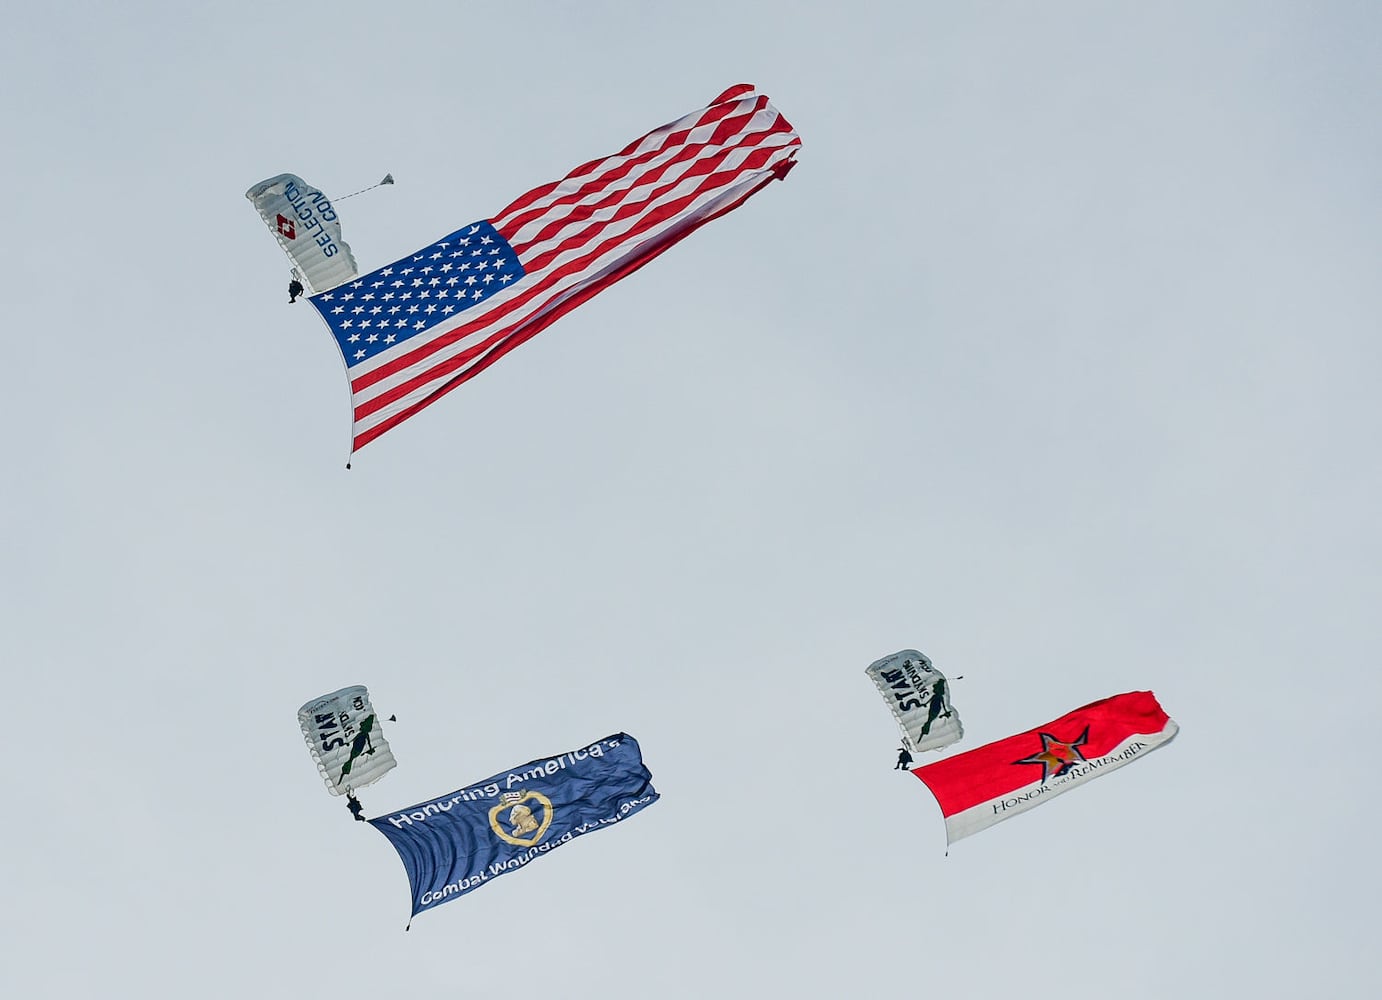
[984, 786]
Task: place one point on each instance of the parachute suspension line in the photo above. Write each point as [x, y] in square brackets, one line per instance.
[388, 179]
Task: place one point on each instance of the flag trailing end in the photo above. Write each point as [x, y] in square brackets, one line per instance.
[412, 331]
[994, 782]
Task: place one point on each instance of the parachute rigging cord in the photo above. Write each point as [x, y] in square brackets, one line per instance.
[388, 179]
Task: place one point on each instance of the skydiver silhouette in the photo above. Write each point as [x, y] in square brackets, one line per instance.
[294, 289]
[353, 804]
[904, 760]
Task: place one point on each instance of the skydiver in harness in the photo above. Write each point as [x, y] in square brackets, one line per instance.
[294, 288]
[353, 804]
[904, 760]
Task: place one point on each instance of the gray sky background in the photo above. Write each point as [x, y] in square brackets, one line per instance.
[1054, 358]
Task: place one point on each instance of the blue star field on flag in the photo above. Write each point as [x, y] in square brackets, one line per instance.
[413, 294]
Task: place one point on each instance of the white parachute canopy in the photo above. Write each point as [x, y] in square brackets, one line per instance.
[306, 226]
[345, 740]
[919, 698]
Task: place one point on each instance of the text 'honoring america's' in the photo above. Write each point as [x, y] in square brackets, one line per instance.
[455, 843]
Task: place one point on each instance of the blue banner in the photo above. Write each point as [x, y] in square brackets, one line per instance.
[458, 842]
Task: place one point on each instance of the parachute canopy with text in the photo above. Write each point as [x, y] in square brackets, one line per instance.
[308, 229]
[345, 740]
[919, 698]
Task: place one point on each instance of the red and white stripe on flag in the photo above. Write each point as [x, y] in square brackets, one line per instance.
[581, 234]
[989, 784]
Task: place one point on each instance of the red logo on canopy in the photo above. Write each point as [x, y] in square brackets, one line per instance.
[286, 227]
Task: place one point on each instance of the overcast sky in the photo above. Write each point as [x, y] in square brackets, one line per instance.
[1055, 358]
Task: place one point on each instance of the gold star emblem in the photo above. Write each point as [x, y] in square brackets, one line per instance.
[1056, 756]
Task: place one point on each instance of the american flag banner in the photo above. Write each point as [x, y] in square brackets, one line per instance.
[414, 330]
